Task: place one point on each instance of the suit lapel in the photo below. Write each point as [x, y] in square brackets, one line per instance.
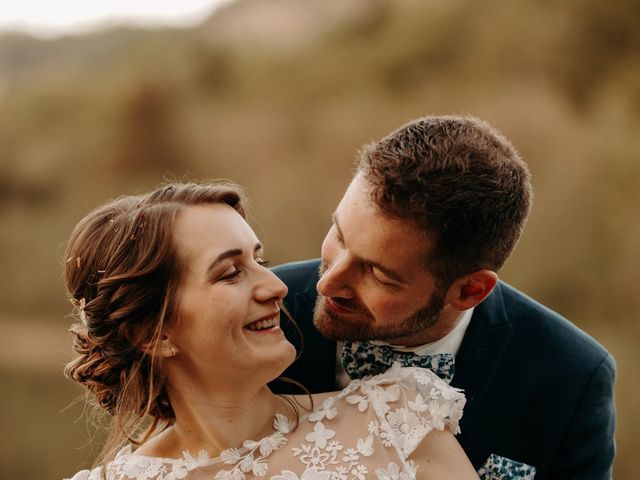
[480, 354]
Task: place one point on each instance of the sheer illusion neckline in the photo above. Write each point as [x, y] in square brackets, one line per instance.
[265, 446]
[368, 429]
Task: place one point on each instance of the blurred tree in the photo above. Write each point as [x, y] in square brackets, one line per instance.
[147, 135]
[601, 40]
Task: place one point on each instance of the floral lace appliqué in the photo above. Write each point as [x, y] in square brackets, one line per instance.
[128, 465]
[393, 472]
[252, 458]
[433, 405]
[365, 432]
[407, 403]
[327, 458]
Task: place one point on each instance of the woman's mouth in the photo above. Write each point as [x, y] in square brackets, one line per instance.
[264, 324]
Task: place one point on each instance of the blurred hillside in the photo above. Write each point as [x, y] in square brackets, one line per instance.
[278, 95]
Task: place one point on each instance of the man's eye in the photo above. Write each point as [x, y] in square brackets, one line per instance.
[337, 235]
[380, 277]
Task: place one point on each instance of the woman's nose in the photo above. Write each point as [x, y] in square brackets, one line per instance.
[271, 287]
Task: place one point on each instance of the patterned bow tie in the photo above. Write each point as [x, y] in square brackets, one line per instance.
[363, 358]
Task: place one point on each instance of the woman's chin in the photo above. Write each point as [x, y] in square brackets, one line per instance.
[279, 365]
[288, 357]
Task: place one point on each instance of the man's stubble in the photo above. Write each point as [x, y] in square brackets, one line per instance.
[363, 328]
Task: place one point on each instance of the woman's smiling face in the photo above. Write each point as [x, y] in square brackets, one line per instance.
[228, 302]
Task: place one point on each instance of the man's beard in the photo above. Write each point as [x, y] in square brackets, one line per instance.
[337, 328]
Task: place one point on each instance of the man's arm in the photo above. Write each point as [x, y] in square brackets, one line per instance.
[587, 452]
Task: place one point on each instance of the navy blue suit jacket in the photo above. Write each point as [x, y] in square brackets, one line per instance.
[539, 390]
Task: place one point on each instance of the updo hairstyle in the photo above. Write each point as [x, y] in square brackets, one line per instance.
[122, 273]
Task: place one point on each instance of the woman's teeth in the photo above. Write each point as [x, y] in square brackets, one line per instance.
[263, 324]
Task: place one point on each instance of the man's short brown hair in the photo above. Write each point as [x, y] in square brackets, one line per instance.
[460, 181]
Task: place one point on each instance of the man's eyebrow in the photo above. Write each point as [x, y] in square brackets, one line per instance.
[234, 252]
[388, 272]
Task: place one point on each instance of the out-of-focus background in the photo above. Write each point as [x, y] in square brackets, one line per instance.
[278, 95]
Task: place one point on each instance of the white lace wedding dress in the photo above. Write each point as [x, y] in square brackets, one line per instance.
[366, 431]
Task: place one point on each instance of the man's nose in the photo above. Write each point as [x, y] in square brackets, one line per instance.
[336, 279]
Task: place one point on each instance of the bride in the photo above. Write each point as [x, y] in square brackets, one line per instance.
[178, 334]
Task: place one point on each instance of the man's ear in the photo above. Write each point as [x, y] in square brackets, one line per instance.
[470, 290]
[163, 349]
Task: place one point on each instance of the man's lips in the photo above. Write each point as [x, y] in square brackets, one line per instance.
[337, 308]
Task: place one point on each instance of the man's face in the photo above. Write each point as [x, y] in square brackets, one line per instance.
[374, 283]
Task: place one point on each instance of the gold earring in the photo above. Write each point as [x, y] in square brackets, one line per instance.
[169, 347]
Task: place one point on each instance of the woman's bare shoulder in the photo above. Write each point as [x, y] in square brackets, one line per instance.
[440, 456]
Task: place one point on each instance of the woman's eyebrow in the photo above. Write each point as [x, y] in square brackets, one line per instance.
[234, 252]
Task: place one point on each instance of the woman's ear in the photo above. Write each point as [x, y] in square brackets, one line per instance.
[470, 290]
[164, 348]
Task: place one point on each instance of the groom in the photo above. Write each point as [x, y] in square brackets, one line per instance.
[409, 273]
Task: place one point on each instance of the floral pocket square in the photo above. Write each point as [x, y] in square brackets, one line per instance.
[501, 468]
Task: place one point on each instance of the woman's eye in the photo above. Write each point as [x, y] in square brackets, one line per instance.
[230, 273]
[263, 262]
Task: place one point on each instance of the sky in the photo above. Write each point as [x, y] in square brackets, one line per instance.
[55, 17]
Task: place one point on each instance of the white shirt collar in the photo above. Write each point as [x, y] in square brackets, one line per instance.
[450, 343]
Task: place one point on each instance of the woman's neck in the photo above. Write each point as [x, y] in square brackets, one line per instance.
[215, 420]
